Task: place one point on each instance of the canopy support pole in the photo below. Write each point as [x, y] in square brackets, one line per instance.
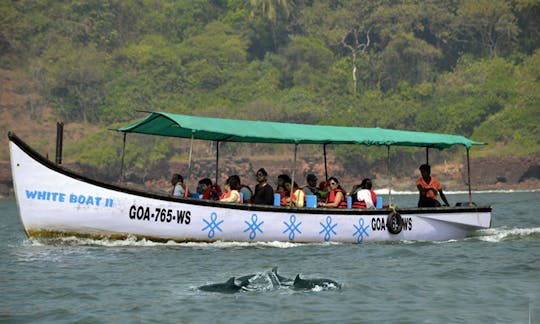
[293, 172]
[217, 162]
[122, 162]
[59, 141]
[325, 166]
[469, 177]
[189, 163]
[389, 176]
[427, 155]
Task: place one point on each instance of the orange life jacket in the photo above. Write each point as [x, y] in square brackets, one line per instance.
[362, 204]
[331, 197]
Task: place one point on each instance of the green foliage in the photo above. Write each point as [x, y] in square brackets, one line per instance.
[488, 26]
[466, 67]
[75, 80]
[103, 151]
[468, 96]
[517, 124]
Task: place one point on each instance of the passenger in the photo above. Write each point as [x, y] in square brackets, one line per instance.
[244, 190]
[298, 197]
[208, 190]
[280, 189]
[179, 188]
[429, 188]
[264, 194]
[363, 196]
[281, 179]
[231, 193]
[311, 188]
[323, 191]
[336, 196]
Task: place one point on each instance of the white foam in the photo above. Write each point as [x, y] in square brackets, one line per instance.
[133, 241]
[501, 234]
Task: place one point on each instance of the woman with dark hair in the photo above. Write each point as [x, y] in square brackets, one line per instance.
[363, 196]
[231, 193]
[336, 196]
[208, 190]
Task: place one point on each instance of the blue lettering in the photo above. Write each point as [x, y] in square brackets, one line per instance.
[108, 202]
[98, 200]
[31, 194]
[90, 200]
[45, 195]
[72, 198]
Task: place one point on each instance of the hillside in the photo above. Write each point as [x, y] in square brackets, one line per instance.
[494, 172]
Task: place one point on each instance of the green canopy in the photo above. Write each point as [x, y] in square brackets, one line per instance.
[234, 130]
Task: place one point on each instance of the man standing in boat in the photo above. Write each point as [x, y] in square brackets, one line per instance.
[429, 189]
[264, 194]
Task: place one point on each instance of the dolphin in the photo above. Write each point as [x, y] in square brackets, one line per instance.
[300, 283]
[281, 281]
[276, 279]
[228, 287]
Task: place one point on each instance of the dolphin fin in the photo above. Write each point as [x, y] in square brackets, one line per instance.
[244, 283]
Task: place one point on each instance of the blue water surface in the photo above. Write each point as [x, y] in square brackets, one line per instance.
[492, 276]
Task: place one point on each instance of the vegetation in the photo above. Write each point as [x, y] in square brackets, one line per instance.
[469, 67]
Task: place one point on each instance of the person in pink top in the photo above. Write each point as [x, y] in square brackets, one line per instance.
[429, 189]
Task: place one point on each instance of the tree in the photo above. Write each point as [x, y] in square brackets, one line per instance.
[75, 80]
[467, 97]
[211, 56]
[353, 42]
[490, 23]
[274, 12]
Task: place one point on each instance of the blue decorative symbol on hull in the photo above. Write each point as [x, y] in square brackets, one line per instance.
[361, 230]
[292, 227]
[212, 225]
[328, 228]
[253, 227]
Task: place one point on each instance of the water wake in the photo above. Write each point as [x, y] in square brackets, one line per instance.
[502, 234]
[133, 241]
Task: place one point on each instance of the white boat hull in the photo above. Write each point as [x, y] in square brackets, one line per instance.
[53, 201]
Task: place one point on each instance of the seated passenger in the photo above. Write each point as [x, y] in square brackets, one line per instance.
[311, 188]
[429, 188]
[281, 179]
[323, 191]
[298, 197]
[280, 189]
[363, 196]
[244, 190]
[231, 193]
[179, 188]
[208, 190]
[264, 194]
[336, 196]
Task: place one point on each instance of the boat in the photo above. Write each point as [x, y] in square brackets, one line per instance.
[54, 201]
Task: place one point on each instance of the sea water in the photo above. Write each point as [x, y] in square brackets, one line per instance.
[492, 276]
